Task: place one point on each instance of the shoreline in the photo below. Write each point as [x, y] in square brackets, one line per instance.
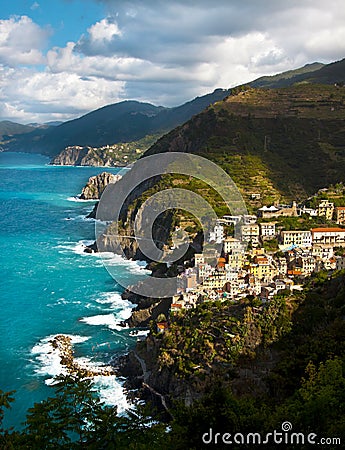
[62, 344]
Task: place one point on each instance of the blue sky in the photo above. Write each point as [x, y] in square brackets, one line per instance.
[60, 59]
[67, 19]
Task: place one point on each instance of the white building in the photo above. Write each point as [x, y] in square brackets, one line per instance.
[217, 235]
[267, 209]
[232, 245]
[322, 251]
[304, 210]
[333, 236]
[296, 238]
[227, 219]
[268, 229]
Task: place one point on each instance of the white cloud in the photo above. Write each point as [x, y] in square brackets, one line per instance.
[34, 6]
[104, 31]
[21, 41]
[163, 52]
[41, 96]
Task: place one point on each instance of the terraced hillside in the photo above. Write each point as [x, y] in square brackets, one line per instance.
[281, 143]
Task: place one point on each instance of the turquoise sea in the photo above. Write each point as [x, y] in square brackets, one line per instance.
[49, 285]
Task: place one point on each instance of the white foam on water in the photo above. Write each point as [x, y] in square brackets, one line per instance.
[75, 247]
[48, 357]
[123, 308]
[138, 267]
[111, 392]
[109, 387]
[81, 245]
[79, 200]
[108, 320]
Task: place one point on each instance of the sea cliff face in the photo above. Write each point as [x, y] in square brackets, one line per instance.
[70, 156]
[96, 185]
[85, 156]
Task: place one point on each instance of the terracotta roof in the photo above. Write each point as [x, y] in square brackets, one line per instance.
[294, 272]
[340, 207]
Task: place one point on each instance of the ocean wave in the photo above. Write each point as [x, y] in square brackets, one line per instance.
[123, 308]
[75, 247]
[48, 358]
[111, 259]
[80, 218]
[108, 320]
[79, 200]
[112, 393]
[139, 333]
[109, 388]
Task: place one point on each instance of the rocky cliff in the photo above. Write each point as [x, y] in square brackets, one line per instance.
[71, 156]
[96, 157]
[96, 185]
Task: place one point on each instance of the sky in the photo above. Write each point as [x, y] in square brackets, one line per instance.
[60, 59]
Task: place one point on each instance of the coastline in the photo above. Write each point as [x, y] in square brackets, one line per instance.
[50, 284]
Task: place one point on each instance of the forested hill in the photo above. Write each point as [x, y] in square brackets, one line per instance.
[129, 121]
[310, 73]
[282, 143]
[125, 121]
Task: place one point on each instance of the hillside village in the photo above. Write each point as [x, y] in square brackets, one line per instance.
[265, 258]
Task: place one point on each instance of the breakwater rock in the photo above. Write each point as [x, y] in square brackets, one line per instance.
[62, 344]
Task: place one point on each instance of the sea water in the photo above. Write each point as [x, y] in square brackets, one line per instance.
[50, 286]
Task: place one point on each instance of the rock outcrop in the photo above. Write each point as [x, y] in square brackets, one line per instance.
[96, 185]
[147, 309]
[77, 155]
[71, 156]
[62, 344]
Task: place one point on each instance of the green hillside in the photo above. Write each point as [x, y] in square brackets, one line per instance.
[310, 73]
[282, 143]
[9, 129]
[123, 122]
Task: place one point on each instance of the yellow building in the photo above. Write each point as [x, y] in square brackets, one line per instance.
[326, 209]
[264, 271]
[215, 281]
[340, 215]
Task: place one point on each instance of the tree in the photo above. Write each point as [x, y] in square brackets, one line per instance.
[6, 437]
[67, 420]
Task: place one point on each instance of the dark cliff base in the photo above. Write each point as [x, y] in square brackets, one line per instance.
[147, 309]
[146, 382]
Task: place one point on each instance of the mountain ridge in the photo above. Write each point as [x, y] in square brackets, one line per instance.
[125, 121]
[131, 120]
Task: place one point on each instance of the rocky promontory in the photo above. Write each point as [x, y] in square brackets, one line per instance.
[77, 155]
[62, 345]
[96, 185]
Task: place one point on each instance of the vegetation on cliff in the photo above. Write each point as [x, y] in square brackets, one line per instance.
[125, 122]
[282, 143]
[113, 155]
[295, 353]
